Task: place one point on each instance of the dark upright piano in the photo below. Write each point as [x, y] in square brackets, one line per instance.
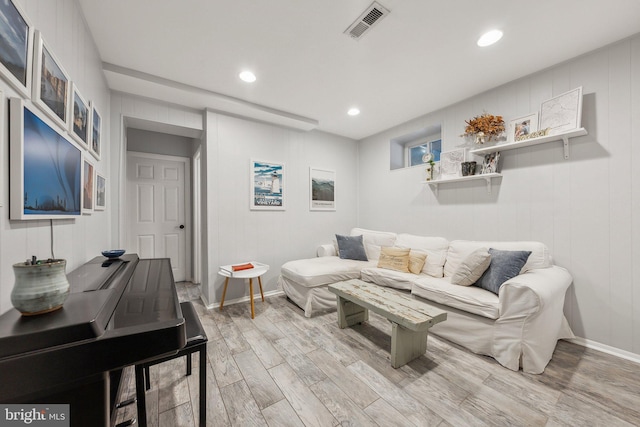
[119, 312]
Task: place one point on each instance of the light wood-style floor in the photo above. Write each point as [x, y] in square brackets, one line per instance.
[282, 369]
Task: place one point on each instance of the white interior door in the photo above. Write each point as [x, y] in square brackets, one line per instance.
[156, 219]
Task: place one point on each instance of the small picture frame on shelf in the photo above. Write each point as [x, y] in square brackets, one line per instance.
[491, 163]
[562, 113]
[451, 163]
[522, 126]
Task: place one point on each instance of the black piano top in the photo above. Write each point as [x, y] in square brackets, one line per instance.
[119, 312]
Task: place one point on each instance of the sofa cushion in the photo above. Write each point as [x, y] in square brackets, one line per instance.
[314, 272]
[472, 268]
[416, 261]
[351, 247]
[394, 259]
[389, 278]
[504, 265]
[435, 247]
[460, 249]
[374, 240]
[467, 298]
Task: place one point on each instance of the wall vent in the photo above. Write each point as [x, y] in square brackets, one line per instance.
[371, 16]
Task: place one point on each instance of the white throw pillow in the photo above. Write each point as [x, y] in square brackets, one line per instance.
[472, 267]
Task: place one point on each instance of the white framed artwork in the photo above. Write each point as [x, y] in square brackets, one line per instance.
[322, 192]
[451, 163]
[522, 126]
[16, 56]
[100, 193]
[88, 189]
[51, 85]
[267, 185]
[80, 115]
[96, 132]
[562, 113]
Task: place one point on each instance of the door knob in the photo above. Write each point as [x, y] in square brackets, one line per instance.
[181, 226]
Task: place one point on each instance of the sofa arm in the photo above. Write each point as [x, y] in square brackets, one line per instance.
[531, 318]
[326, 250]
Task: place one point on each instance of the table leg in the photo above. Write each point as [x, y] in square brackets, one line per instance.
[253, 313]
[224, 292]
[260, 283]
[350, 314]
[406, 345]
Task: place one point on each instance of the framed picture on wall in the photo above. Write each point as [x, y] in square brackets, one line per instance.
[87, 187]
[563, 112]
[50, 83]
[322, 191]
[522, 126]
[45, 167]
[96, 132]
[451, 163]
[2, 142]
[80, 113]
[267, 186]
[16, 39]
[100, 193]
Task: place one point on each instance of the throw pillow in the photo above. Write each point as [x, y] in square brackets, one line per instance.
[472, 267]
[394, 259]
[504, 266]
[416, 261]
[351, 247]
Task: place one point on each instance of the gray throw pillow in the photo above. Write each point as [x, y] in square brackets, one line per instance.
[504, 266]
[351, 247]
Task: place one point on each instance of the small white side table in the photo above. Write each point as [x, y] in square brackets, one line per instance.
[258, 270]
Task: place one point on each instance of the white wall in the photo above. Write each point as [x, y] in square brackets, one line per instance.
[79, 240]
[238, 234]
[586, 209]
[145, 141]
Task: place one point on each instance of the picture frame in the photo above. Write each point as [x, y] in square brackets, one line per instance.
[80, 117]
[2, 142]
[522, 126]
[95, 146]
[268, 186]
[100, 203]
[42, 186]
[88, 184]
[451, 162]
[51, 85]
[562, 113]
[322, 193]
[491, 163]
[16, 59]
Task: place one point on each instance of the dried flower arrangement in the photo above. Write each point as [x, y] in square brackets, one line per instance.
[484, 125]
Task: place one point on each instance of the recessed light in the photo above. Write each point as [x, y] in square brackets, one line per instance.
[353, 111]
[247, 76]
[489, 38]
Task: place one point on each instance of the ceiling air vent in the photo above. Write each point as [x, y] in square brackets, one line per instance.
[367, 20]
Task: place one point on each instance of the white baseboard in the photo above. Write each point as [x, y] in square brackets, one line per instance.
[239, 300]
[606, 349]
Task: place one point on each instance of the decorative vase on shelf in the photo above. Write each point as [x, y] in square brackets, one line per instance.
[39, 288]
[480, 138]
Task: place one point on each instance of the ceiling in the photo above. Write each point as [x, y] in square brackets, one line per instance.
[421, 57]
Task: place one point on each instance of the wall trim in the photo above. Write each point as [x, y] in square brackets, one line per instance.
[245, 298]
[594, 345]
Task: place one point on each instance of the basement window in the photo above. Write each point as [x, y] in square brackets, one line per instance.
[407, 150]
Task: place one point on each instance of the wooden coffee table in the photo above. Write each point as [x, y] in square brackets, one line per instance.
[410, 318]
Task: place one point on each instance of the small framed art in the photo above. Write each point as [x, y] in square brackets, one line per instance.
[522, 126]
[491, 163]
[562, 113]
[101, 193]
[267, 185]
[80, 113]
[16, 39]
[50, 83]
[451, 162]
[96, 132]
[87, 187]
[322, 189]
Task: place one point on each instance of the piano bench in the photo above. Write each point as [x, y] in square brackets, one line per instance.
[196, 342]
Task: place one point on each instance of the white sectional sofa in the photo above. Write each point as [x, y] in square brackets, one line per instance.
[519, 327]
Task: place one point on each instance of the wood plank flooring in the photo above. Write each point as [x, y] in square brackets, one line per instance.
[282, 369]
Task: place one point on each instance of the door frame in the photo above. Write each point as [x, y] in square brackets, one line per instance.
[187, 202]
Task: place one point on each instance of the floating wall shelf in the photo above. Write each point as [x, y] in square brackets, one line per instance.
[487, 177]
[534, 141]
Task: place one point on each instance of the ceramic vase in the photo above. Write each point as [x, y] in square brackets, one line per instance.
[40, 288]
